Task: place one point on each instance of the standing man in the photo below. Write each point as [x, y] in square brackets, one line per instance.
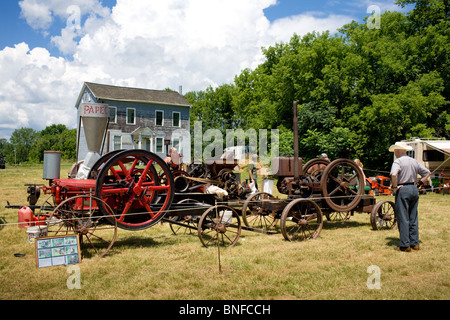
[253, 170]
[404, 173]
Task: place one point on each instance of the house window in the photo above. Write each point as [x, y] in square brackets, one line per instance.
[131, 116]
[112, 115]
[159, 145]
[176, 119]
[117, 142]
[159, 118]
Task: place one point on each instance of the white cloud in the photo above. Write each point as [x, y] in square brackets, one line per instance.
[283, 29]
[384, 5]
[37, 14]
[142, 43]
[38, 90]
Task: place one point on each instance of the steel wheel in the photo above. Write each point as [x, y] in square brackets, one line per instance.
[342, 185]
[98, 165]
[190, 221]
[215, 229]
[301, 220]
[130, 184]
[81, 216]
[314, 169]
[255, 215]
[46, 207]
[383, 215]
[338, 216]
[199, 170]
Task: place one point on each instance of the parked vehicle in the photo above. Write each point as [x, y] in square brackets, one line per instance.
[379, 185]
[2, 162]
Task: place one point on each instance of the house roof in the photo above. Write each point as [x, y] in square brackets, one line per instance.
[115, 93]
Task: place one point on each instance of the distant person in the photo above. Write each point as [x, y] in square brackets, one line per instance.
[253, 170]
[174, 159]
[324, 156]
[168, 159]
[404, 173]
[360, 164]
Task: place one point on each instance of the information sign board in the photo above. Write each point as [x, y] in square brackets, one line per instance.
[56, 251]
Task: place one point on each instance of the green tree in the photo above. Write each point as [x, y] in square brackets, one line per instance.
[427, 12]
[69, 144]
[286, 146]
[359, 90]
[53, 129]
[21, 142]
[55, 137]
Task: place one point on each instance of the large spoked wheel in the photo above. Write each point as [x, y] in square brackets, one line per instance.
[81, 216]
[383, 215]
[302, 219]
[98, 165]
[255, 215]
[342, 185]
[314, 169]
[130, 183]
[219, 225]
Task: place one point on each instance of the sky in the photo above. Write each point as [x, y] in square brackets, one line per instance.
[49, 48]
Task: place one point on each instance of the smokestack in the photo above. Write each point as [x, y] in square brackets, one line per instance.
[180, 90]
[295, 128]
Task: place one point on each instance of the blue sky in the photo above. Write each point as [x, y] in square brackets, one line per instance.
[154, 44]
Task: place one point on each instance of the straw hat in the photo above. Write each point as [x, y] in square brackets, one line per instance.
[401, 146]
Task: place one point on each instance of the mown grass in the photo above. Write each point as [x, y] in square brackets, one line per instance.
[156, 264]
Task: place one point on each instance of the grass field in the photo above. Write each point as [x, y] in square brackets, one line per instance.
[156, 264]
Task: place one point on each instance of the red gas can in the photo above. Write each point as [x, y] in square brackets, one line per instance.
[25, 218]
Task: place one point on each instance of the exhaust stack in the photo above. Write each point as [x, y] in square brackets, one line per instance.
[295, 127]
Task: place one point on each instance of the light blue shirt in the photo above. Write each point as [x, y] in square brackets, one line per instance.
[407, 169]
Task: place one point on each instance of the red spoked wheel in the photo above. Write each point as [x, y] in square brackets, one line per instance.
[98, 165]
[130, 183]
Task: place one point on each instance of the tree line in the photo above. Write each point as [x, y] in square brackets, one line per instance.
[28, 145]
[359, 90]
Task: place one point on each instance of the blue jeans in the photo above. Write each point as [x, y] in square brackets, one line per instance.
[406, 203]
